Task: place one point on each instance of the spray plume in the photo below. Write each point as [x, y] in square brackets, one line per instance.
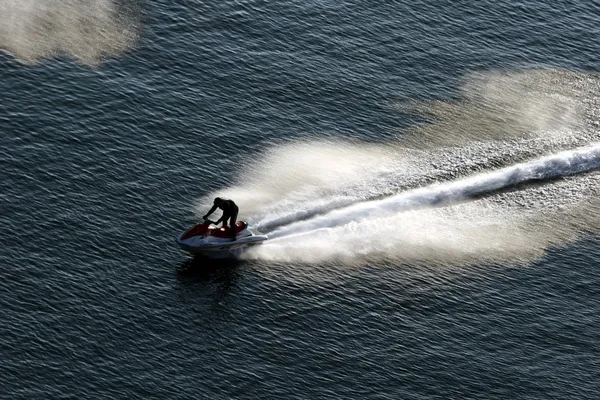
[499, 176]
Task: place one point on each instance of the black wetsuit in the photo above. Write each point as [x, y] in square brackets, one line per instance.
[230, 212]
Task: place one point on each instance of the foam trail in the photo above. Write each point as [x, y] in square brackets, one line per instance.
[554, 166]
[298, 215]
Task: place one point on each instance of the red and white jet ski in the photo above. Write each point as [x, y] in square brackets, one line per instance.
[211, 241]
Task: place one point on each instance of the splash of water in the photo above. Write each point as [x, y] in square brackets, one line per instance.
[88, 30]
[456, 190]
[554, 166]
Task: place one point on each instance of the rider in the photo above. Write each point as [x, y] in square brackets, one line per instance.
[230, 212]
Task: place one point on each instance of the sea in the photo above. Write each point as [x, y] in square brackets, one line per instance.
[428, 174]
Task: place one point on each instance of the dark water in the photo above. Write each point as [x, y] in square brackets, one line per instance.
[115, 120]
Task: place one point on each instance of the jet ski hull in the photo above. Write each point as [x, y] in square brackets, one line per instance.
[213, 242]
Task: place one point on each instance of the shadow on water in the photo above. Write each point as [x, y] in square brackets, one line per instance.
[221, 274]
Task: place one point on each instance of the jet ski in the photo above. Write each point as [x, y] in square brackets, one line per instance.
[211, 241]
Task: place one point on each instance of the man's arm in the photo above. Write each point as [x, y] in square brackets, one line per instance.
[212, 210]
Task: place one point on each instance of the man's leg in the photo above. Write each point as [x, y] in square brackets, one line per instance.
[232, 224]
[225, 217]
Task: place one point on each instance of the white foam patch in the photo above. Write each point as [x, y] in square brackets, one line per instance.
[88, 30]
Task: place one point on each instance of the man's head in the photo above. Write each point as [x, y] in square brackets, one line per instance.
[218, 201]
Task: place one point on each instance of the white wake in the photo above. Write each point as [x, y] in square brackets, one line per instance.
[550, 167]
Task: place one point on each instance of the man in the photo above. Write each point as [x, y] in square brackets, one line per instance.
[230, 212]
